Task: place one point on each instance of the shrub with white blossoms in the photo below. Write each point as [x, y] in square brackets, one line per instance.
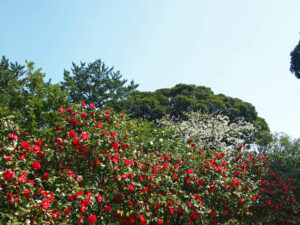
[211, 131]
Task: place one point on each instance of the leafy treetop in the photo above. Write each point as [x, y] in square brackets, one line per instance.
[97, 83]
[295, 61]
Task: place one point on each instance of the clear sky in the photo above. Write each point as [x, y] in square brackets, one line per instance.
[240, 48]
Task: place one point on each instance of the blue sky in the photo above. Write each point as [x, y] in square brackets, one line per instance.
[238, 48]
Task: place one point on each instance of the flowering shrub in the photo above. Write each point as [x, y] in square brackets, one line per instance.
[101, 168]
[211, 131]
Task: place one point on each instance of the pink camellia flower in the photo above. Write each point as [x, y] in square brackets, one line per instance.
[8, 175]
[84, 136]
[36, 165]
[13, 136]
[62, 110]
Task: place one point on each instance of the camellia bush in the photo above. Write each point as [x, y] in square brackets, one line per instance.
[98, 167]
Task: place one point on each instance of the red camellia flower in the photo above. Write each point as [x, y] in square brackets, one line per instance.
[127, 162]
[131, 220]
[22, 178]
[72, 134]
[107, 208]
[8, 175]
[160, 222]
[92, 105]
[76, 141]
[46, 176]
[172, 211]
[36, 165]
[59, 141]
[131, 187]
[73, 121]
[92, 219]
[67, 211]
[83, 104]
[107, 112]
[99, 198]
[212, 213]
[115, 145]
[45, 203]
[83, 115]
[141, 217]
[112, 134]
[25, 145]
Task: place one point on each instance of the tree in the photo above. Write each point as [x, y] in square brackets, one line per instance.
[295, 61]
[98, 84]
[11, 84]
[39, 100]
[26, 97]
[187, 98]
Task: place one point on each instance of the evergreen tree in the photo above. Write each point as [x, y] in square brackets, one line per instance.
[98, 84]
[295, 61]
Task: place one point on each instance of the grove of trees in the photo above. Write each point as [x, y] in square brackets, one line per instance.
[95, 150]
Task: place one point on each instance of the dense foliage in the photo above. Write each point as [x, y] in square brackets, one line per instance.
[94, 168]
[95, 82]
[26, 96]
[185, 98]
[284, 154]
[295, 61]
[85, 164]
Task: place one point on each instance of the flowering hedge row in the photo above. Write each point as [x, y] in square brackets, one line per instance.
[102, 168]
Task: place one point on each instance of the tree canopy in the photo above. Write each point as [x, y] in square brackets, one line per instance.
[26, 96]
[96, 83]
[295, 61]
[186, 98]
[11, 84]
